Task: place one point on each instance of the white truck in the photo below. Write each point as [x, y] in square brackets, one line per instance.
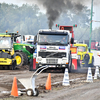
[53, 48]
[28, 39]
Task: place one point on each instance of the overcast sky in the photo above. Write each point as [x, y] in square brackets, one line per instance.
[95, 10]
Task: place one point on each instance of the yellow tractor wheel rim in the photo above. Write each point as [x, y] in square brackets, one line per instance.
[18, 60]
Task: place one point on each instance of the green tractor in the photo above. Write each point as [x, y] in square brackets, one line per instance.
[24, 52]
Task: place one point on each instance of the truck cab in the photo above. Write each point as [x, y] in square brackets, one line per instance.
[53, 48]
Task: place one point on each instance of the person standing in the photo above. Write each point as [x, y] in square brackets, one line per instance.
[17, 41]
[86, 59]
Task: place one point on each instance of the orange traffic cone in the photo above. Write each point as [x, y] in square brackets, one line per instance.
[48, 83]
[14, 91]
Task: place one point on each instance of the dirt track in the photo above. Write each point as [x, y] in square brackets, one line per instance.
[78, 90]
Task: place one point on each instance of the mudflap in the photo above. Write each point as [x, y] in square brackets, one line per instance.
[32, 66]
[74, 64]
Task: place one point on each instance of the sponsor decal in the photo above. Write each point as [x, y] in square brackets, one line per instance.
[43, 47]
[73, 50]
[62, 48]
[52, 48]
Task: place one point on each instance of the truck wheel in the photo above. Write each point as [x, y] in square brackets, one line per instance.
[21, 58]
[63, 70]
[70, 64]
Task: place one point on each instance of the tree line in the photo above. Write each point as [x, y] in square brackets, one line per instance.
[28, 19]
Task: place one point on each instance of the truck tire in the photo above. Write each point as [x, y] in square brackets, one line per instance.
[70, 64]
[21, 59]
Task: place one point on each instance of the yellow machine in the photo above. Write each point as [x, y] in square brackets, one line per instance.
[82, 50]
[7, 55]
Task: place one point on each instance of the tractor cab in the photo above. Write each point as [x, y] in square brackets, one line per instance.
[7, 55]
[6, 42]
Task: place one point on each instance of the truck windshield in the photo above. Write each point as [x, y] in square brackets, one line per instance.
[5, 42]
[53, 39]
[81, 49]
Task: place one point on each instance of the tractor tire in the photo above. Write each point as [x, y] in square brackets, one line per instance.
[21, 59]
[25, 58]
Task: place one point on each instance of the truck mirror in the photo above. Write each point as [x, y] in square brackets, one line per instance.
[35, 39]
[72, 40]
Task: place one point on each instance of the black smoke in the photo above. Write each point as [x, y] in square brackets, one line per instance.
[54, 8]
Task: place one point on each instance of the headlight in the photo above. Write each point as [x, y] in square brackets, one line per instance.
[64, 59]
[39, 59]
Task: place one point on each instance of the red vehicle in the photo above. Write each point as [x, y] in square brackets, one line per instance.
[94, 44]
[75, 58]
[70, 28]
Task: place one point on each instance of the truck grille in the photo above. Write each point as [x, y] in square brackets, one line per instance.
[51, 55]
[51, 61]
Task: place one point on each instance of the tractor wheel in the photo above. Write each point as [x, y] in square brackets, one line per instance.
[21, 59]
[25, 58]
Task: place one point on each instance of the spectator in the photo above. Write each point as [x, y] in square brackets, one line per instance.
[29, 38]
[43, 39]
[86, 59]
[17, 41]
[63, 40]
